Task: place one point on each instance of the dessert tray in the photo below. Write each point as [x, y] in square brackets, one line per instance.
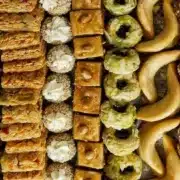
[90, 89]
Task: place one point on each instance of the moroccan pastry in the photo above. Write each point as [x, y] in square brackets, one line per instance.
[56, 30]
[56, 7]
[90, 155]
[86, 127]
[34, 80]
[85, 174]
[168, 37]
[126, 167]
[117, 117]
[18, 40]
[59, 171]
[123, 61]
[168, 105]
[149, 69]
[22, 114]
[121, 88]
[88, 47]
[87, 22]
[14, 97]
[120, 7]
[60, 59]
[149, 134]
[124, 31]
[123, 142]
[25, 65]
[17, 6]
[61, 147]
[57, 118]
[87, 99]
[57, 88]
[22, 21]
[88, 73]
[30, 175]
[23, 162]
[25, 53]
[86, 4]
[17, 132]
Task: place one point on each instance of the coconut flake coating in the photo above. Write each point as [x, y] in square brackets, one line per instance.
[61, 147]
[57, 88]
[124, 168]
[56, 30]
[56, 7]
[57, 118]
[60, 59]
[56, 171]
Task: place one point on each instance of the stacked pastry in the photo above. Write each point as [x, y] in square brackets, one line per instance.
[57, 115]
[87, 28]
[23, 67]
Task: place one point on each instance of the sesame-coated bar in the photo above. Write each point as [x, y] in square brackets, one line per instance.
[34, 80]
[18, 40]
[30, 175]
[26, 65]
[14, 97]
[22, 114]
[25, 53]
[18, 132]
[23, 162]
[22, 21]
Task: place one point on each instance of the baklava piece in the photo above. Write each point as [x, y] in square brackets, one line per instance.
[86, 128]
[90, 155]
[25, 53]
[22, 21]
[88, 74]
[86, 4]
[87, 99]
[18, 40]
[87, 174]
[88, 47]
[87, 22]
[32, 161]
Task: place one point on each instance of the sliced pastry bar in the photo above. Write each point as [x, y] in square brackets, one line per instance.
[87, 22]
[22, 114]
[18, 40]
[14, 97]
[34, 80]
[22, 21]
[87, 99]
[25, 53]
[17, 6]
[88, 47]
[29, 145]
[86, 4]
[30, 175]
[17, 132]
[23, 162]
[25, 65]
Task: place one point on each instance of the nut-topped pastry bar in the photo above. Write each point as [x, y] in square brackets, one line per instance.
[87, 23]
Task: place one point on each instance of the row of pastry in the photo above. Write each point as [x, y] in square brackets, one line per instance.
[22, 79]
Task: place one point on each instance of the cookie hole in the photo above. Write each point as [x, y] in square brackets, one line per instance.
[120, 109]
[123, 30]
[120, 53]
[127, 170]
[122, 134]
[121, 2]
[121, 84]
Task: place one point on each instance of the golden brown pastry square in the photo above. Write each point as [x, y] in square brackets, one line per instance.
[90, 155]
[88, 73]
[87, 174]
[88, 47]
[87, 99]
[87, 22]
[86, 128]
[86, 4]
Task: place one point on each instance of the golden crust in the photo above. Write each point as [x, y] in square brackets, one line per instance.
[86, 4]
